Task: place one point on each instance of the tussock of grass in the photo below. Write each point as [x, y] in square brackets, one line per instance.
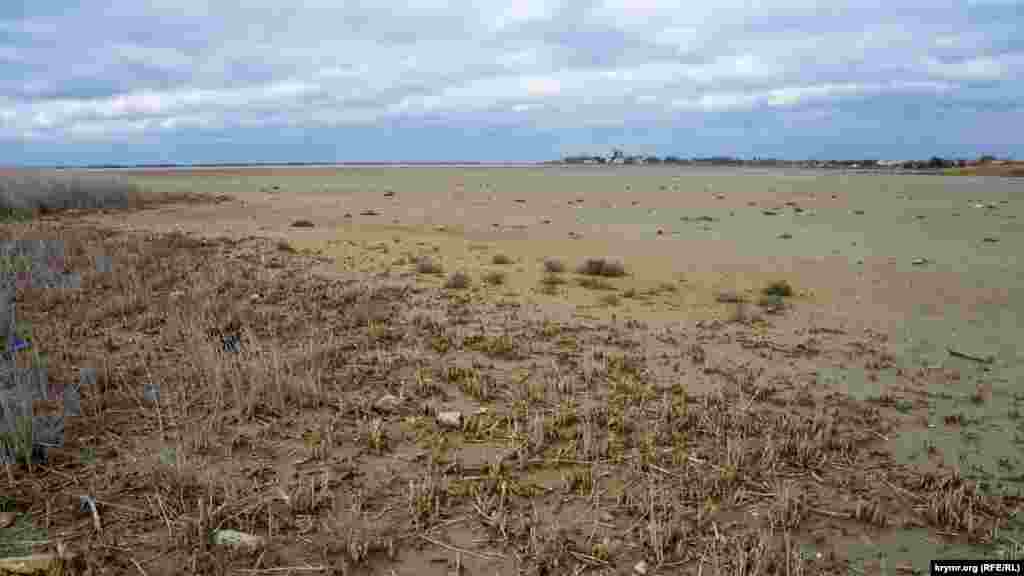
[552, 280]
[778, 288]
[595, 284]
[554, 266]
[501, 259]
[495, 278]
[458, 281]
[602, 267]
[426, 265]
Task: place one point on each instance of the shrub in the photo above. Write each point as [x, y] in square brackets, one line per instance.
[602, 267]
[596, 284]
[554, 265]
[494, 278]
[501, 259]
[458, 281]
[778, 288]
[43, 191]
[772, 303]
[426, 265]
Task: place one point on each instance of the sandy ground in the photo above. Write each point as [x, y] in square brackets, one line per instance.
[465, 225]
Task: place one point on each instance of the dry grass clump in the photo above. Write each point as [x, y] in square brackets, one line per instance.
[458, 281]
[778, 288]
[495, 278]
[501, 259]
[602, 267]
[610, 299]
[427, 265]
[554, 266]
[595, 284]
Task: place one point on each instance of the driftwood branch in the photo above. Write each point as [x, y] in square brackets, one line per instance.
[982, 359]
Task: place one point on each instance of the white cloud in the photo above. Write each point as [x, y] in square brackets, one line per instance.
[325, 63]
[984, 68]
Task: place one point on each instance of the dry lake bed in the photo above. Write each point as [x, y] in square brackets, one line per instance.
[907, 296]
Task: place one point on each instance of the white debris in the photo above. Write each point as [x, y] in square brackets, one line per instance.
[451, 419]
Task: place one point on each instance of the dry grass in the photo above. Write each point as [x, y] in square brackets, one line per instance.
[554, 266]
[778, 288]
[593, 461]
[427, 265]
[595, 283]
[602, 267]
[458, 281]
[495, 278]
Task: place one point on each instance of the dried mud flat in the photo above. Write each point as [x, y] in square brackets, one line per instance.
[356, 423]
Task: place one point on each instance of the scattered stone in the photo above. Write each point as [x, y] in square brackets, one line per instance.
[348, 215]
[151, 392]
[520, 201]
[451, 419]
[236, 539]
[640, 568]
[575, 235]
[858, 212]
[920, 261]
[769, 213]
[7, 519]
[635, 203]
[388, 403]
[302, 224]
[546, 221]
[990, 239]
[720, 196]
[785, 236]
[920, 217]
[369, 213]
[389, 194]
[660, 232]
[441, 228]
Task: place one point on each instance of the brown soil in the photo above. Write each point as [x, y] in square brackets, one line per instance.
[693, 440]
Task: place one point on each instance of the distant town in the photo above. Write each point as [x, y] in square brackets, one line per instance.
[931, 164]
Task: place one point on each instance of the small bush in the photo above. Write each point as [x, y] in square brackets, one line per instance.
[554, 265]
[25, 192]
[494, 278]
[729, 297]
[458, 281]
[602, 267]
[595, 284]
[501, 259]
[778, 288]
[772, 303]
[426, 265]
[551, 279]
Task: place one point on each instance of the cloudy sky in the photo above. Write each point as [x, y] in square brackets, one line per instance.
[350, 80]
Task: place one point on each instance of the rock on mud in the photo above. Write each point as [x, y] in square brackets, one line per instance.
[450, 419]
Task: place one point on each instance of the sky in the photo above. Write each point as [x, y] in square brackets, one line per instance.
[186, 81]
